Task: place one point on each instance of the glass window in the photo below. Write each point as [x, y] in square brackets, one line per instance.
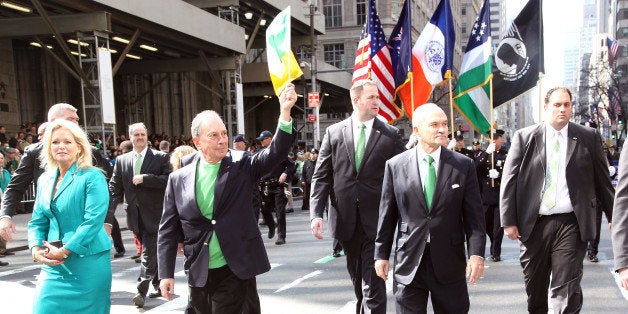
[333, 13]
[334, 54]
[361, 11]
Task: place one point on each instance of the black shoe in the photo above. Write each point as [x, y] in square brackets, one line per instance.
[135, 256]
[138, 300]
[271, 232]
[593, 258]
[138, 260]
[280, 241]
[305, 209]
[3, 263]
[289, 210]
[262, 223]
[118, 254]
[336, 254]
[496, 259]
[153, 295]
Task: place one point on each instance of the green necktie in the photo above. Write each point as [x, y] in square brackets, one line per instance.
[138, 164]
[549, 196]
[359, 150]
[430, 181]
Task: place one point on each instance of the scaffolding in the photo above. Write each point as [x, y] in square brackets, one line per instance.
[91, 91]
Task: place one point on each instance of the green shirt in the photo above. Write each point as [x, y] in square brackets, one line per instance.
[206, 175]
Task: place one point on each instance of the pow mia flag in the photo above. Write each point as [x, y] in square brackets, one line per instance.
[518, 58]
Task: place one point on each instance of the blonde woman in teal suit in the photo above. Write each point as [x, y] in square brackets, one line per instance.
[71, 205]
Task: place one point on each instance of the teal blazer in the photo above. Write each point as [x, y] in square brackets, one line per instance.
[75, 214]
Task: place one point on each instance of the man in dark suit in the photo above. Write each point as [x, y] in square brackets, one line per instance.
[140, 176]
[555, 177]
[349, 173]
[431, 197]
[619, 232]
[207, 206]
[306, 177]
[30, 169]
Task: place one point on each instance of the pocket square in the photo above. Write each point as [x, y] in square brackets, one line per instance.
[455, 186]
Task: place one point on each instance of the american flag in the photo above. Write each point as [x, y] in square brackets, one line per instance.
[613, 46]
[372, 60]
[614, 101]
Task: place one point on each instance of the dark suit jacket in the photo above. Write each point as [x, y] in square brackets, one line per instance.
[145, 201]
[335, 171]
[308, 171]
[619, 232]
[456, 214]
[29, 171]
[233, 221]
[523, 178]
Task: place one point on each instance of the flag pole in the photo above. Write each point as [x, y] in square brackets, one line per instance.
[411, 96]
[540, 97]
[451, 108]
[492, 130]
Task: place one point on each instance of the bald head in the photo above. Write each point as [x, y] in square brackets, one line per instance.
[429, 122]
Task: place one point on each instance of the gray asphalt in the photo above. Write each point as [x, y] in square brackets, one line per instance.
[306, 279]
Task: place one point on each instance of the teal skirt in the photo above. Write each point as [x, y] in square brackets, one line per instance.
[81, 285]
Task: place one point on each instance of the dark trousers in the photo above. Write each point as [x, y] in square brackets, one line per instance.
[336, 246]
[116, 235]
[222, 294]
[276, 199]
[592, 249]
[306, 197]
[446, 298]
[554, 248]
[494, 228]
[148, 268]
[359, 251]
[251, 301]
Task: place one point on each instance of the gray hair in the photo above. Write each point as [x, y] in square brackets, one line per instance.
[164, 144]
[136, 126]
[56, 109]
[419, 114]
[203, 116]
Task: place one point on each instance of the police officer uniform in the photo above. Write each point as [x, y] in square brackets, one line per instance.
[462, 150]
[274, 196]
[490, 194]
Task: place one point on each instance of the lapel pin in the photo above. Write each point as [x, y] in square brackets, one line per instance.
[377, 131]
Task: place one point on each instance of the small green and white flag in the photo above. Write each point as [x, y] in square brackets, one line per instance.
[472, 94]
[282, 64]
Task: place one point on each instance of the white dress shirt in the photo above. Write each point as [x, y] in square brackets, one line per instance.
[356, 130]
[563, 202]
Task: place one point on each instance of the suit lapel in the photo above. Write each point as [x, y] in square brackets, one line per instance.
[147, 161]
[221, 180]
[539, 139]
[67, 179]
[373, 138]
[347, 134]
[413, 177]
[444, 172]
[572, 142]
[190, 181]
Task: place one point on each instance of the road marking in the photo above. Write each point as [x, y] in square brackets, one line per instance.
[325, 260]
[273, 266]
[125, 272]
[298, 281]
[19, 270]
[623, 291]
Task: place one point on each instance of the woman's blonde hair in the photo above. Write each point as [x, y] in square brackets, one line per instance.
[177, 155]
[84, 156]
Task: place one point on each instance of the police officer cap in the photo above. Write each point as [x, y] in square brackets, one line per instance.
[239, 138]
[314, 151]
[476, 142]
[264, 135]
[459, 137]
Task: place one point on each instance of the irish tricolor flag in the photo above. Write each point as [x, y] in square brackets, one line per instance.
[282, 64]
[473, 91]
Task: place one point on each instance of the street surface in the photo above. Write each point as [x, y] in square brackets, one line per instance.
[306, 279]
